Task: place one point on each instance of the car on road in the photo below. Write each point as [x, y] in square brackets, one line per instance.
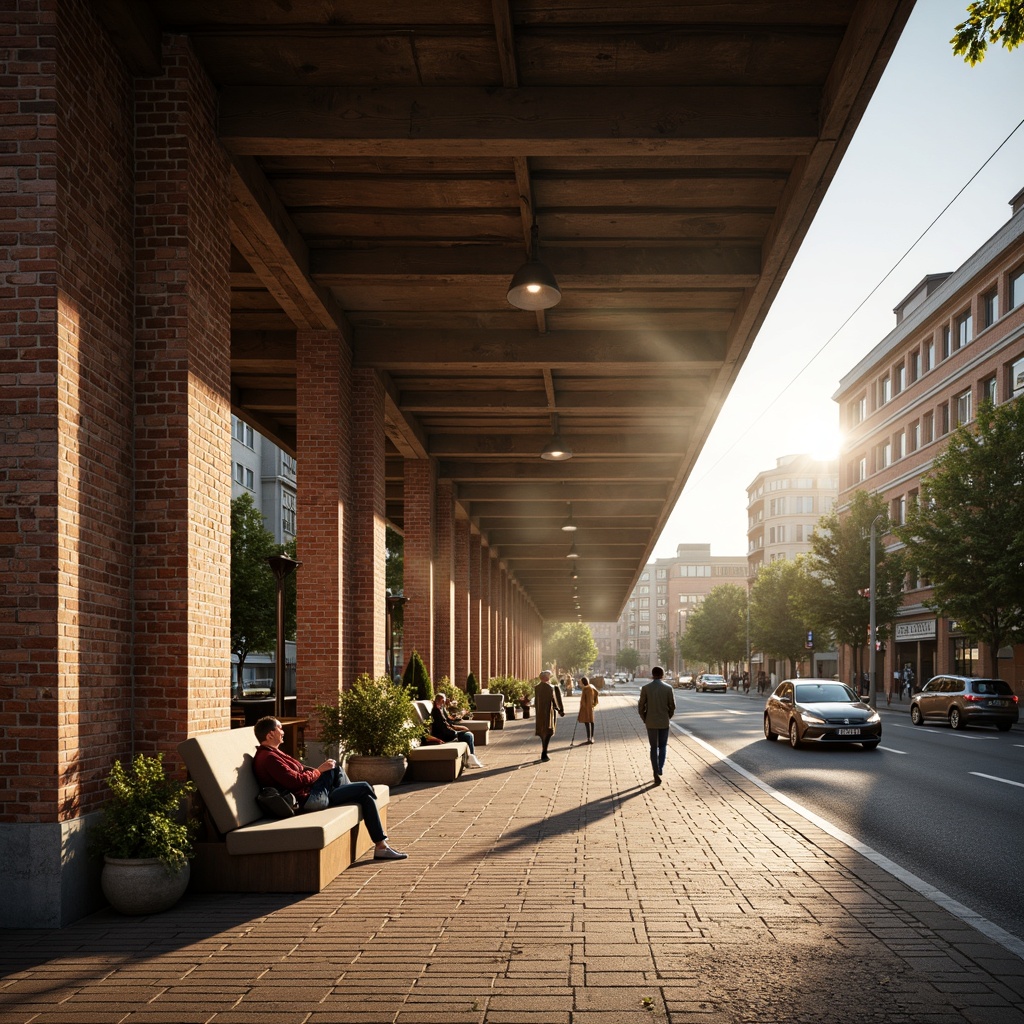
[820, 711]
[683, 682]
[708, 682]
[963, 701]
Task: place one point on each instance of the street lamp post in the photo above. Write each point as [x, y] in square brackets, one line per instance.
[872, 639]
[282, 566]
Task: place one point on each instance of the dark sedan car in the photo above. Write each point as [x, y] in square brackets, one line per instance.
[963, 701]
[819, 711]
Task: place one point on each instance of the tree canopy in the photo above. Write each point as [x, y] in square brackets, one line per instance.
[966, 535]
[628, 659]
[253, 587]
[988, 21]
[716, 632]
[839, 571]
[571, 646]
[778, 621]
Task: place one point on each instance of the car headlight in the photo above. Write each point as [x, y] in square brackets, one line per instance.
[808, 719]
[874, 718]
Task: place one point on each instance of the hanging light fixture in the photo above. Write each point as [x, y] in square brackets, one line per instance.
[574, 573]
[533, 286]
[569, 526]
[557, 450]
[573, 553]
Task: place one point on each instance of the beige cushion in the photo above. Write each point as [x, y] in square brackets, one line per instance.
[422, 709]
[439, 751]
[490, 702]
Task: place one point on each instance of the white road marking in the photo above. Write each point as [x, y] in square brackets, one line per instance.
[892, 750]
[919, 885]
[995, 778]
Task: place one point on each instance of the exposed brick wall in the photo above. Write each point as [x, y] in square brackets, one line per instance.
[444, 571]
[475, 638]
[365, 576]
[324, 381]
[183, 417]
[419, 560]
[460, 622]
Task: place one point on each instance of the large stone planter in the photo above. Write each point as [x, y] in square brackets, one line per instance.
[378, 771]
[142, 886]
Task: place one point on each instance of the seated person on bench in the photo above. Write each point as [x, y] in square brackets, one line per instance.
[447, 729]
[316, 788]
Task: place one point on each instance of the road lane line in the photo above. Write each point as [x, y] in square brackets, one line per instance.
[995, 778]
[892, 750]
[912, 881]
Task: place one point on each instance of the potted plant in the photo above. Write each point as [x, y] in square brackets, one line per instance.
[144, 838]
[417, 679]
[472, 689]
[372, 727]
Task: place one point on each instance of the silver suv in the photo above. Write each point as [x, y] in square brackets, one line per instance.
[964, 701]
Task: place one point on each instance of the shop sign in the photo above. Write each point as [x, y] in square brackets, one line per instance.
[923, 629]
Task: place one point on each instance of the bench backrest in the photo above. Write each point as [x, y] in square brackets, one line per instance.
[220, 764]
[493, 703]
[423, 709]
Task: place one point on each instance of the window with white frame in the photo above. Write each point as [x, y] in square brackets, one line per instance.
[946, 343]
[899, 444]
[862, 469]
[914, 438]
[964, 329]
[990, 389]
[288, 513]
[243, 433]
[899, 378]
[1016, 287]
[1017, 378]
[990, 307]
[963, 407]
[858, 410]
[928, 356]
[883, 455]
[943, 425]
[914, 366]
[927, 428]
[899, 510]
[884, 390]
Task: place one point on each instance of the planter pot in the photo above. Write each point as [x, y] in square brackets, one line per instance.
[142, 886]
[378, 771]
[510, 713]
[526, 711]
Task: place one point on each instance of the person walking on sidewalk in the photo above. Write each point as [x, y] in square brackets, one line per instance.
[547, 700]
[657, 706]
[588, 701]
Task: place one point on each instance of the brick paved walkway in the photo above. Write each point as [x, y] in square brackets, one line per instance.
[553, 893]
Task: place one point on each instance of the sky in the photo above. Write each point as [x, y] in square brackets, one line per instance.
[932, 123]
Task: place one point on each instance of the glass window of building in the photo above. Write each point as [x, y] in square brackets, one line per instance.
[862, 469]
[963, 407]
[990, 306]
[899, 510]
[288, 513]
[927, 428]
[884, 390]
[943, 424]
[990, 389]
[1017, 378]
[899, 379]
[928, 356]
[964, 329]
[946, 344]
[914, 366]
[914, 440]
[899, 444]
[1016, 287]
[884, 454]
[243, 433]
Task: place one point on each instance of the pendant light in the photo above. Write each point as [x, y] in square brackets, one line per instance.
[557, 450]
[533, 286]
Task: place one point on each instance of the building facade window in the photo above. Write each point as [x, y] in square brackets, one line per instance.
[963, 407]
[244, 434]
[1016, 287]
[884, 390]
[946, 344]
[927, 428]
[943, 424]
[914, 437]
[914, 366]
[858, 410]
[288, 513]
[929, 355]
[899, 444]
[990, 306]
[1017, 378]
[964, 329]
[899, 510]
[899, 379]
[990, 389]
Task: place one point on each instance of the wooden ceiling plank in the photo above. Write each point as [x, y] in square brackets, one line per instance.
[555, 121]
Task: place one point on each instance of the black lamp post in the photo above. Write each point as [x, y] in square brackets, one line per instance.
[282, 567]
[394, 601]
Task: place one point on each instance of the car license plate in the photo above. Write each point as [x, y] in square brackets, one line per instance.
[997, 703]
[848, 732]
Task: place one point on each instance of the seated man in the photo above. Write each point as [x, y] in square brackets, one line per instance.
[447, 729]
[316, 788]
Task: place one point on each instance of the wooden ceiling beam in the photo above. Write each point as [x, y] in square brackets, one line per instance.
[608, 446]
[612, 471]
[699, 265]
[612, 402]
[576, 121]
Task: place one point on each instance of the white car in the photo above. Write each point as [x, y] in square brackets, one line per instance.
[710, 683]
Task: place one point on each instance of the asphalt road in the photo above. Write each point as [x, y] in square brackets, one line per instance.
[947, 806]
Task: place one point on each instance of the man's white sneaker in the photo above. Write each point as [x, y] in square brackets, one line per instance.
[474, 761]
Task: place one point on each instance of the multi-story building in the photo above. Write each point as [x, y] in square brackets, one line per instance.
[668, 590]
[958, 340]
[783, 506]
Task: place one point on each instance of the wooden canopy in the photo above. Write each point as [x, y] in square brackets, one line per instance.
[390, 160]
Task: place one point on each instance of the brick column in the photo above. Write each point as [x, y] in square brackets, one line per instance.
[182, 406]
[486, 616]
[323, 368]
[419, 561]
[475, 604]
[495, 616]
[444, 580]
[460, 624]
[365, 576]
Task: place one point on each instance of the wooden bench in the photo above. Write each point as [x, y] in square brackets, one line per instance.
[239, 850]
[435, 762]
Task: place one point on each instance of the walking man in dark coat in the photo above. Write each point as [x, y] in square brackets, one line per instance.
[547, 702]
[657, 706]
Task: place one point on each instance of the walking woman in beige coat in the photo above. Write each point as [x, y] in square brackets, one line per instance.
[547, 703]
[588, 701]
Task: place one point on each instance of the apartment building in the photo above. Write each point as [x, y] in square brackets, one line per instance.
[958, 340]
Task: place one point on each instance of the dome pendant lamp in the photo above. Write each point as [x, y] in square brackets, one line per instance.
[533, 286]
[557, 450]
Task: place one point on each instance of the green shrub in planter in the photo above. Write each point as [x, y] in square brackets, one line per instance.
[417, 679]
[472, 689]
[143, 819]
[372, 719]
[458, 704]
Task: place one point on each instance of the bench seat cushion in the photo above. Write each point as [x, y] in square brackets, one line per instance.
[312, 831]
[453, 751]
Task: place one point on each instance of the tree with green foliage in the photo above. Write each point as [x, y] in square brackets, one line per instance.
[417, 679]
[838, 572]
[988, 21]
[571, 646]
[777, 622]
[966, 535]
[628, 659]
[716, 631]
[253, 587]
[667, 651]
